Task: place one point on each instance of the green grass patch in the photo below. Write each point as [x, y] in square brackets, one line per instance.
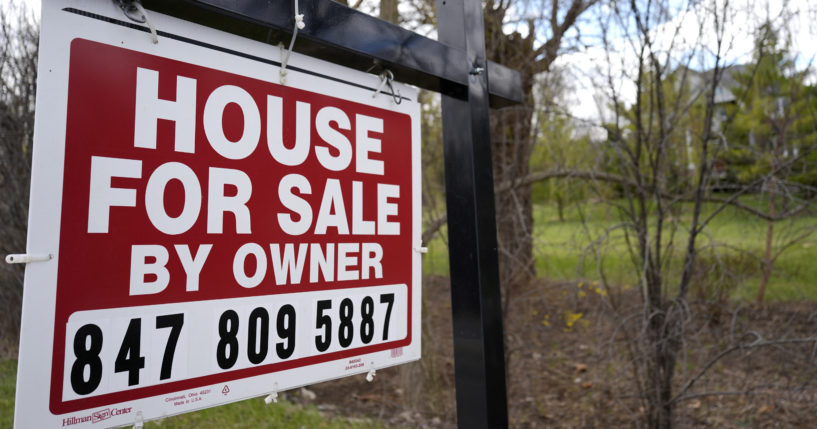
[254, 413]
[435, 262]
[251, 413]
[8, 380]
[590, 243]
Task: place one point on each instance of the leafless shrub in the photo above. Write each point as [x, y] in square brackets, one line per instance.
[19, 40]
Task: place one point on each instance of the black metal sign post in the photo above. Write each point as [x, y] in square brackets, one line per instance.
[457, 68]
[475, 297]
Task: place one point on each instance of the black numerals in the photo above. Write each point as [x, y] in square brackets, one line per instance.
[87, 369]
[238, 337]
[174, 322]
[324, 321]
[346, 321]
[129, 359]
[228, 342]
[286, 331]
[367, 324]
[87, 345]
[346, 331]
[258, 337]
[388, 299]
[257, 346]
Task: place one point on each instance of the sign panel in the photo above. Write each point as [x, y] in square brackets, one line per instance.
[215, 235]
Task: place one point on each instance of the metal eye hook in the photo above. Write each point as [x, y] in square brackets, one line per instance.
[131, 11]
[299, 25]
[395, 95]
[386, 79]
[134, 10]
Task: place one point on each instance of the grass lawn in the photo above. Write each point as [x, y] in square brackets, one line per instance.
[252, 413]
[8, 378]
[590, 244]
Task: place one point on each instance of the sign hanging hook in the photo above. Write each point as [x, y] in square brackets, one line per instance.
[299, 25]
[134, 10]
[386, 79]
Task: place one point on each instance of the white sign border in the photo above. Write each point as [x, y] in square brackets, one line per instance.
[59, 27]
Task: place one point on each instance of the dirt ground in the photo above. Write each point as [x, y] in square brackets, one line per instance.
[568, 365]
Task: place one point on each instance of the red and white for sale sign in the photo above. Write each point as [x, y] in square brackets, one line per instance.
[216, 235]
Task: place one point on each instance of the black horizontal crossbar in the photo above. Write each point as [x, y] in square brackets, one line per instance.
[345, 36]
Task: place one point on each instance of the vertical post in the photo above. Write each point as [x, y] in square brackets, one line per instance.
[479, 357]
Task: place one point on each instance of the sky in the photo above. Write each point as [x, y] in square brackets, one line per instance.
[687, 32]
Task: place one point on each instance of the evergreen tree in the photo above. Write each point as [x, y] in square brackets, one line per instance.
[773, 126]
[771, 138]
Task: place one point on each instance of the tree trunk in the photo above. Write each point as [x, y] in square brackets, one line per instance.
[661, 368]
[510, 149]
[510, 137]
[768, 263]
[664, 334]
[388, 11]
[511, 140]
